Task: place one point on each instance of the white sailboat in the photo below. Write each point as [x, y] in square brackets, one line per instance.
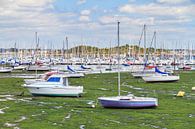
[161, 77]
[126, 101]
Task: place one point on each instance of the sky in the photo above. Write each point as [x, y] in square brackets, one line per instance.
[94, 22]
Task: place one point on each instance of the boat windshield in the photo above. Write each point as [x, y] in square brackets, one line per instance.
[54, 79]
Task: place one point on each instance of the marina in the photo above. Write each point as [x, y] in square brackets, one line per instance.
[60, 112]
[93, 64]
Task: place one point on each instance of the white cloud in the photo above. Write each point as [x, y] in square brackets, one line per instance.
[81, 1]
[173, 1]
[126, 20]
[84, 18]
[85, 12]
[19, 19]
[33, 2]
[84, 15]
[156, 9]
[174, 21]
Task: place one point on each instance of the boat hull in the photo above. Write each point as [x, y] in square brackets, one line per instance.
[128, 103]
[19, 68]
[161, 78]
[56, 91]
[6, 70]
[38, 68]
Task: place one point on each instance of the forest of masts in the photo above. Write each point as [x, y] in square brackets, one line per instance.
[85, 51]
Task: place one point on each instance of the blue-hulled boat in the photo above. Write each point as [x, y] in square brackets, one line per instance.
[128, 102]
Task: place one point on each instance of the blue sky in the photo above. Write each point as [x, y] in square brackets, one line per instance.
[93, 22]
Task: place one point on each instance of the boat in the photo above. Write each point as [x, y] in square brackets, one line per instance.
[5, 69]
[46, 75]
[160, 76]
[56, 85]
[84, 67]
[19, 67]
[129, 101]
[74, 73]
[43, 77]
[38, 68]
[143, 73]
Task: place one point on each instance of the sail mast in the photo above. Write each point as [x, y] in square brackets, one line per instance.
[118, 58]
[144, 43]
[67, 53]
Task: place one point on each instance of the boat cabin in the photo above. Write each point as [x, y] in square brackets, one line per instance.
[63, 79]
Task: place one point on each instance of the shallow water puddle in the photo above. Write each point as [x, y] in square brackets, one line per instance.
[42, 113]
[82, 127]
[10, 98]
[191, 115]
[68, 116]
[114, 121]
[1, 110]
[133, 87]
[103, 89]
[25, 100]
[6, 97]
[21, 119]
[124, 91]
[91, 102]
[153, 126]
[58, 107]
[76, 111]
[54, 124]
[3, 100]
[9, 124]
[3, 96]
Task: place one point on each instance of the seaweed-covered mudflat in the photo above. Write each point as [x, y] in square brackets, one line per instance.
[20, 110]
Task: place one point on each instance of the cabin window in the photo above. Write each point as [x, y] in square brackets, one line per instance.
[54, 79]
[64, 81]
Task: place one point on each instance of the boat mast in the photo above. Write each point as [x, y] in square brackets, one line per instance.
[118, 58]
[63, 50]
[144, 43]
[36, 47]
[155, 55]
[110, 61]
[15, 52]
[67, 53]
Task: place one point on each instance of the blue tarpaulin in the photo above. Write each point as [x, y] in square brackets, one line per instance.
[158, 71]
[70, 69]
[83, 67]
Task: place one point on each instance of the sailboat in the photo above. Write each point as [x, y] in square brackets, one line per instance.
[160, 76]
[5, 69]
[144, 71]
[128, 101]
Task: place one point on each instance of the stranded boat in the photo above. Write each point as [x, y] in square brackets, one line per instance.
[56, 85]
